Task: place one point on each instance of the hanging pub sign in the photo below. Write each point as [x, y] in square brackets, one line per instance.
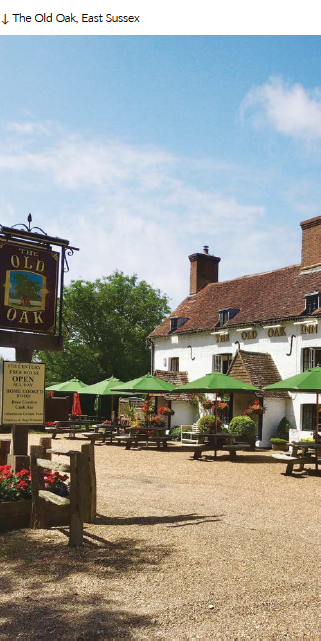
[29, 285]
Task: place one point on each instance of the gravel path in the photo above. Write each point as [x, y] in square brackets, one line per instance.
[182, 549]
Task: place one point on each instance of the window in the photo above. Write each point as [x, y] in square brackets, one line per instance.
[308, 417]
[311, 357]
[226, 314]
[312, 302]
[221, 363]
[176, 322]
[174, 364]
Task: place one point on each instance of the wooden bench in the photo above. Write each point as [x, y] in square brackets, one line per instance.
[196, 447]
[235, 447]
[158, 440]
[292, 460]
[125, 438]
[42, 498]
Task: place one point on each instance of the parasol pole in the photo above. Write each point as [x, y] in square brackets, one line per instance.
[112, 407]
[317, 434]
[215, 454]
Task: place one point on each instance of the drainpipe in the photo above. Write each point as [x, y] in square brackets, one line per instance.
[152, 356]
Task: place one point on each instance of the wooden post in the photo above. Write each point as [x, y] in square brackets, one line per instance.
[88, 483]
[4, 451]
[38, 516]
[19, 462]
[76, 523]
[45, 443]
[19, 440]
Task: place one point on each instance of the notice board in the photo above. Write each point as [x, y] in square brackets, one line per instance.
[23, 393]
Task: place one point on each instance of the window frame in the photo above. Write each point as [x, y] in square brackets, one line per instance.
[309, 359]
[176, 359]
[218, 358]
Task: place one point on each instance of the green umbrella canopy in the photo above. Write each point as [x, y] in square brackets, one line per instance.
[216, 382]
[103, 387]
[74, 385]
[147, 384]
[308, 381]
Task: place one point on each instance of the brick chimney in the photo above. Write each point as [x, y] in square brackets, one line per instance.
[311, 243]
[204, 270]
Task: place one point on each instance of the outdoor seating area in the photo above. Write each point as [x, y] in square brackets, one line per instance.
[159, 516]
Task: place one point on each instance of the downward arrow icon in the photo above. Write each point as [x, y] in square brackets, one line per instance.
[5, 21]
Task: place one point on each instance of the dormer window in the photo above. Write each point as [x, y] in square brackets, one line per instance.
[227, 314]
[176, 322]
[312, 302]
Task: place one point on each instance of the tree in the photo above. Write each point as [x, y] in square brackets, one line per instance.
[25, 286]
[106, 324]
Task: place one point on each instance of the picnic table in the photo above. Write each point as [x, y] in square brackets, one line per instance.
[303, 453]
[202, 441]
[102, 431]
[71, 427]
[136, 435]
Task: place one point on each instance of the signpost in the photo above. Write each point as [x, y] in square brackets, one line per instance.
[31, 283]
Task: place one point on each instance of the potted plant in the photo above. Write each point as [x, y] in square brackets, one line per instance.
[254, 408]
[207, 404]
[280, 441]
[209, 424]
[166, 411]
[279, 444]
[244, 429]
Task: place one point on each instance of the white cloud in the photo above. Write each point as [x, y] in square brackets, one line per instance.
[136, 209]
[290, 109]
[29, 128]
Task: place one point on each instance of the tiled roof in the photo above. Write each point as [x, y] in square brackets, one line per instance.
[270, 296]
[258, 369]
[176, 378]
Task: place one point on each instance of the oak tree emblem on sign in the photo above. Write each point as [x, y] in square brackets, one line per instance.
[25, 290]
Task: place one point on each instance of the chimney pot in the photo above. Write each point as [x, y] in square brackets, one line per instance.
[206, 248]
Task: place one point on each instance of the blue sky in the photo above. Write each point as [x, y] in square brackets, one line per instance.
[140, 150]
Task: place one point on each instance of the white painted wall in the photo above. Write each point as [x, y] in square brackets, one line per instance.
[185, 414]
[198, 362]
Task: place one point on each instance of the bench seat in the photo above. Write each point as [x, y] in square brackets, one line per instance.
[53, 498]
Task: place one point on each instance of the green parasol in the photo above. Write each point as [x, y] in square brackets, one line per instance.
[213, 384]
[217, 382]
[74, 385]
[103, 388]
[308, 382]
[147, 384]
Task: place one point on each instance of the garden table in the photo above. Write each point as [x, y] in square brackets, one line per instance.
[300, 454]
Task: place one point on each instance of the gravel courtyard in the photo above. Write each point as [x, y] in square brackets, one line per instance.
[182, 549]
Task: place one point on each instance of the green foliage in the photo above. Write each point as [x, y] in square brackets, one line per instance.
[175, 434]
[105, 330]
[283, 429]
[242, 426]
[278, 440]
[207, 423]
[24, 286]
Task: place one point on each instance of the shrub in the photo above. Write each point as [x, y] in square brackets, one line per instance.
[283, 428]
[278, 440]
[175, 434]
[207, 423]
[242, 426]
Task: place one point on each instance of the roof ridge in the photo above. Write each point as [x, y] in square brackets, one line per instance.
[271, 271]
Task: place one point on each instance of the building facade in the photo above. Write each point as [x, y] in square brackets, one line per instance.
[260, 328]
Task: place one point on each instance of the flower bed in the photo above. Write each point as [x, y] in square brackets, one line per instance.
[15, 495]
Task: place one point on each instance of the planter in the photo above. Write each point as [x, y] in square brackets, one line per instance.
[281, 447]
[14, 514]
